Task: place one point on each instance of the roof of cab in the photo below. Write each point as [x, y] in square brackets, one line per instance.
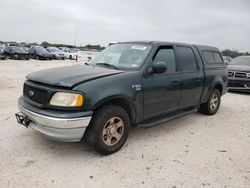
[199, 47]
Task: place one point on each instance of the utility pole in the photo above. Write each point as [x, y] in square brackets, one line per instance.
[75, 36]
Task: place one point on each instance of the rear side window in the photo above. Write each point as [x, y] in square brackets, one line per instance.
[187, 60]
[212, 57]
[217, 57]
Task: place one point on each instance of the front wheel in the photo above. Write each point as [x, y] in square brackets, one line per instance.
[213, 103]
[108, 130]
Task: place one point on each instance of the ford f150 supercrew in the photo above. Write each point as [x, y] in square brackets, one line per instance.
[128, 83]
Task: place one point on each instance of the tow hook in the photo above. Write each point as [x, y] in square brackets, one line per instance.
[22, 119]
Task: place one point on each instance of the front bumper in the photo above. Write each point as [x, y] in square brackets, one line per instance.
[21, 56]
[55, 128]
[45, 57]
[239, 84]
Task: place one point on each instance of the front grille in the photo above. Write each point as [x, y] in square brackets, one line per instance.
[22, 56]
[35, 94]
[237, 74]
[230, 74]
[240, 75]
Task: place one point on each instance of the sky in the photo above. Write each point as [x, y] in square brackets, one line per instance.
[220, 23]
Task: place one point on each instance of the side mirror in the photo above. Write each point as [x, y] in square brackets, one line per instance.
[158, 67]
[89, 58]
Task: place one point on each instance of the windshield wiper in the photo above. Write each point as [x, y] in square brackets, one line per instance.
[108, 65]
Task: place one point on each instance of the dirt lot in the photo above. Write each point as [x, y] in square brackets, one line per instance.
[193, 151]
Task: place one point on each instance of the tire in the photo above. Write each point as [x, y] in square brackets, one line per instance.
[213, 103]
[70, 57]
[13, 56]
[103, 134]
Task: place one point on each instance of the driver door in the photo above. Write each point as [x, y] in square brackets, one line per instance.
[162, 91]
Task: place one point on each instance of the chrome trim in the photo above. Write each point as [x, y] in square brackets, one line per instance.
[54, 122]
[239, 88]
[62, 135]
[238, 74]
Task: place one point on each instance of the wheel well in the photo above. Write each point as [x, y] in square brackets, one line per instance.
[123, 103]
[219, 87]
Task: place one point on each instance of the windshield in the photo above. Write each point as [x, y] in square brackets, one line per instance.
[53, 49]
[243, 60]
[41, 49]
[127, 55]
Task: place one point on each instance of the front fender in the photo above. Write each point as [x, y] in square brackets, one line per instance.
[119, 86]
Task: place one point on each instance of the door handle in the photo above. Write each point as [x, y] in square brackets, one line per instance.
[175, 82]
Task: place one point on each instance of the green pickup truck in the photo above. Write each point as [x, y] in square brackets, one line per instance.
[142, 83]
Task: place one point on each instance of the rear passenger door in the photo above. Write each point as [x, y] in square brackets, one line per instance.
[191, 76]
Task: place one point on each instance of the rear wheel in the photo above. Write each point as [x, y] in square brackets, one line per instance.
[213, 103]
[108, 130]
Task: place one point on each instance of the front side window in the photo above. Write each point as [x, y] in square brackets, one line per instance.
[123, 55]
[166, 55]
[187, 60]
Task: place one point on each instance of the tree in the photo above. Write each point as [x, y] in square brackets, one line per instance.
[45, 44]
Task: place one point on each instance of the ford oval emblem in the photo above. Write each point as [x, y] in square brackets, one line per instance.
[31, 93]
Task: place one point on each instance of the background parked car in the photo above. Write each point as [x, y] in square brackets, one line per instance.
[227, 59]
[239, 74]
[26, 49]
[56, 53]
[16, 52]
[2, 55]
[69, 53]
[39, 52]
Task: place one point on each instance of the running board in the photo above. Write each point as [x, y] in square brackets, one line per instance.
[169, 117]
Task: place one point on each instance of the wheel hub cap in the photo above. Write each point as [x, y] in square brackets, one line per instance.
[113, 131]
[214, 102]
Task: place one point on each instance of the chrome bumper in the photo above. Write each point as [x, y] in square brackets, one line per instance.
[239, 88]
[59, 129]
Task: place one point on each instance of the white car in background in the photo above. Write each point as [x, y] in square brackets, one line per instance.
[56, 53]
[227, 59]
[69, 53]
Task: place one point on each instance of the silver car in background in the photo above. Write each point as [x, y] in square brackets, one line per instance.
[69, 53]
[56, 53]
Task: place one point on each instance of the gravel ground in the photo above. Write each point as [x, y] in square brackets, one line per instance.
[192, 151]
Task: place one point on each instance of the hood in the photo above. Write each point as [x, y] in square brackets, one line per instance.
[238, 68]
[57, 53]
[43, 53]
[70, 76]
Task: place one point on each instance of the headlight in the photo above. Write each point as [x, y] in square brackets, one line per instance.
[66, 99]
